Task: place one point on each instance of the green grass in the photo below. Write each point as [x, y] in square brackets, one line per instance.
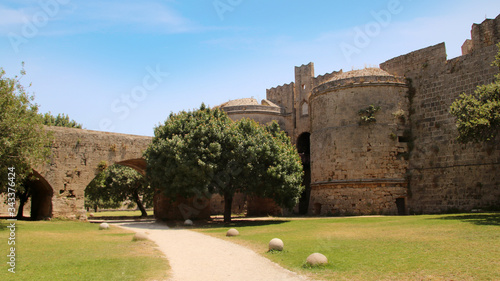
[431, 247]
[131, 213]
[69, 250]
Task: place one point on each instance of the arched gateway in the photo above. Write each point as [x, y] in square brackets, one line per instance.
[76, 154]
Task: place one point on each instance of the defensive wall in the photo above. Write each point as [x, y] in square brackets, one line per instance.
[408, 159]
[445, 175]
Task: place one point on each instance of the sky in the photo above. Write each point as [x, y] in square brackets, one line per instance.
[123, 66]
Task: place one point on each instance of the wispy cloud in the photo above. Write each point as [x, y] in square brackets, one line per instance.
[140, 16]
[149, 16]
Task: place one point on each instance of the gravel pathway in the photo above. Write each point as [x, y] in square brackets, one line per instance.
[195, 256]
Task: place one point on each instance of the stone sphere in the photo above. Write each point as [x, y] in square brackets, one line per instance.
[188, 222]
[276, 244]
[232, 232]
[140, 236]
[103, 226]
[316, 259]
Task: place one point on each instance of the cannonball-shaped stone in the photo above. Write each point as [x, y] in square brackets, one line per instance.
[91, 215]
[103, 226]
[232, 232]
[276, 244]
[139, 236]
[316, 259]
[188, 222]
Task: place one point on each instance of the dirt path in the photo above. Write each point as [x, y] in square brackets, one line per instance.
[194, 256]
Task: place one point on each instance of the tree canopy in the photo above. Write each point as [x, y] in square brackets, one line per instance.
[478, 114]
[23, 141]
[116, 184]
[61, 120]
[205, 152]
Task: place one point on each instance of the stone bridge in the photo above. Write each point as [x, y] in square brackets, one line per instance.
[76, 154]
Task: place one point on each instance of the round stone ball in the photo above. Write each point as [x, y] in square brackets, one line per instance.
[232, 232]
[316, 259]
[276, 244]
[139, 236]
[188, 222]
[103, 226]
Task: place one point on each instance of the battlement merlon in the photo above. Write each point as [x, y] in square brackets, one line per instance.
[483, 35]
[422, 58]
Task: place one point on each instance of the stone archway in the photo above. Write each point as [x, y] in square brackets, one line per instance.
[138, 164]
[41, 197]
[304, 149]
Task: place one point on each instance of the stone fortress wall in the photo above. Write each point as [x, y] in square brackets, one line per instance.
[443, 174]
[408, 161]
[76, 154]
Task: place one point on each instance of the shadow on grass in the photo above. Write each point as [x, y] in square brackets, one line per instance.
[478, 219]
[240, 223]
[176, 225]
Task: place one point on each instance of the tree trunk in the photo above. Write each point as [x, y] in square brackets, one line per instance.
[228, 202]
[23, 198]
[140, 205]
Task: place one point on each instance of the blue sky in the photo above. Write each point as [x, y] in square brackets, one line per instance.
[123, 66]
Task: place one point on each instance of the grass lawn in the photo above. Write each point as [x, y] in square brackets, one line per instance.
[430, 247]
[69, 250]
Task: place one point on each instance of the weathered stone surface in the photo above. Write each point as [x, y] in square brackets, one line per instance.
[276, 244]
[232, 232]
[408, 160]
[140, 236]
[104, 226]
[316, 259]
[188, 222]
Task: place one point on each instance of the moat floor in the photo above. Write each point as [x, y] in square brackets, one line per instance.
[194, 256]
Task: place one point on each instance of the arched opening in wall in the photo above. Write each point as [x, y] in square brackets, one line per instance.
[304, 149]
[121, 186]
[138, 164]
[41, 196]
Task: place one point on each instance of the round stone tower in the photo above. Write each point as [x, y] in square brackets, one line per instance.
[359, 144]
[264, 113]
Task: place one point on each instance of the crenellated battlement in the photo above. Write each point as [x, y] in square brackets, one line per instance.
[277, 88]
[320, 79]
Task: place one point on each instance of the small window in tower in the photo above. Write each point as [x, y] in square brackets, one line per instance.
[303, 86]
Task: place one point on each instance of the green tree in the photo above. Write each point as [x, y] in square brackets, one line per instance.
[96, 194]
[117, 184]
[205, 152]
[61, 120]
[478, 114]
[24, 143]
